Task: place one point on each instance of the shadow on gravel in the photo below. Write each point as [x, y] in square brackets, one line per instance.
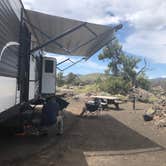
[84, 136]
[114, 109]
[15, 148]
[94, 136]
[105, 133]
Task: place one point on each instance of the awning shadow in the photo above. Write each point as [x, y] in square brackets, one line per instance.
[89, 136]
[106, 133]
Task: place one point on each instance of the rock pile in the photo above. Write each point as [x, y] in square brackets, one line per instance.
[160, 113]
[157, 113]
[143, 95]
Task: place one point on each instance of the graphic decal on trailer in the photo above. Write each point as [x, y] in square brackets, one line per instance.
[9, 44]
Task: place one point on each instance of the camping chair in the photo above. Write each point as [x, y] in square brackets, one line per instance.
[92, 107]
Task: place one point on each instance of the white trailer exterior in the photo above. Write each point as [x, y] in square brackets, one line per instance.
[8, 89]
[9, 48]
[25, 74]
[20, 72]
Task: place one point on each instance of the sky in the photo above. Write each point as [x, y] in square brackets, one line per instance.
[143, 33]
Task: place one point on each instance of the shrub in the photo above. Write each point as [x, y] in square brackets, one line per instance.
[115, 85]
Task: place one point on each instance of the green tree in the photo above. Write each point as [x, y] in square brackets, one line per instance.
[113, 52]
[136, 75]
[115, 85]
[124, 67]
[71, 79]
[98, 80]
[60, 79]
[143, 82]
[129, 71]
[98, 83]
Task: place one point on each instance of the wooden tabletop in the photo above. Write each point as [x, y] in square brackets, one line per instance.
[106, 97]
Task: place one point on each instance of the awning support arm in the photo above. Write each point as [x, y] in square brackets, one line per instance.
[96, 36]
[47, 36]
[58, 44]
[73, 63]
[84, 44]
[59, 36]
[104, 45]
[59, 69]
[63, 61]
[90, 30]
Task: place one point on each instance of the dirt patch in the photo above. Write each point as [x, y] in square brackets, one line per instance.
[114, 138]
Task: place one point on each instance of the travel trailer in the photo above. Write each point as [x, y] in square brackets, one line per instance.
[25, 73]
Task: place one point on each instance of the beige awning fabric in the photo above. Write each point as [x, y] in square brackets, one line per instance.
[69, 36]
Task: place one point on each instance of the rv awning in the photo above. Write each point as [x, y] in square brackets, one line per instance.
[66, 36]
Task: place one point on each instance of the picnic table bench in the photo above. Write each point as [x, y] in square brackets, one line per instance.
[99, 103]
[109, 100]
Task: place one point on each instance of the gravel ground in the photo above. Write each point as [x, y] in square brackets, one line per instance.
[114, 138]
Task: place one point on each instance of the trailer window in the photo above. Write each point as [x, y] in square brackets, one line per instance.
[49, 66]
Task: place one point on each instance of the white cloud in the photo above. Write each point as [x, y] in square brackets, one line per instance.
[28, 4]
[84, 10]
[147, 17]
[152, 17]
[163, 76]
[105, 20]
[137, 12]
[148, 38]
[150, 44]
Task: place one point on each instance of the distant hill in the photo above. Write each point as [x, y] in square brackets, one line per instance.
[158, 82]
[94, 76]
[91, 77]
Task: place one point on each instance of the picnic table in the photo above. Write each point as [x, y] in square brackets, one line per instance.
[109, 100]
